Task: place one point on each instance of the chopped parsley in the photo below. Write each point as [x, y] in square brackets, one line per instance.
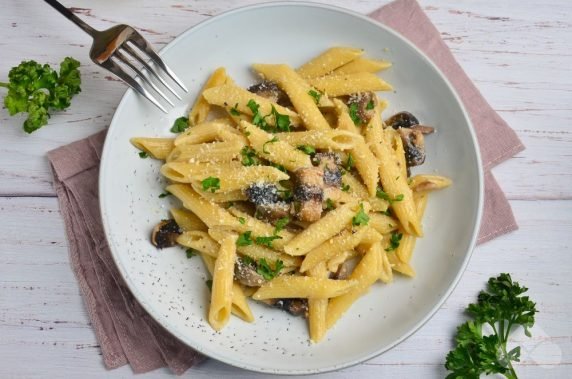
[286, 195]
[249, 157]
[361, 218]
[180, 125]
[349, 163]
[266, 271]
[242, 220]
[345, 187]
[266, 241]
[191, 252]
[307, 149]
[211, 183]
[394, 241]
[164, 194]
[381, 194]
[209, 284]
[330, 204]
[282, 121]
[316, 95]
[353, 110]
[257, 118]
[234, 111]
[143, 154]
[273, 140]
[279, 167]
[244, 239]
[280, 224]
[370, 105]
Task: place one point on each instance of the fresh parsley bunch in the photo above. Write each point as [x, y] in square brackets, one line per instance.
[502, 307]
[38, 89]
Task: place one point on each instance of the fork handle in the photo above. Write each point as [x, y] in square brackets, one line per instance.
[72, 17]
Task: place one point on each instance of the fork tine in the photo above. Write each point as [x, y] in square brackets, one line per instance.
[114, 68]
[150, 69]
[138, 40]
[122, 58]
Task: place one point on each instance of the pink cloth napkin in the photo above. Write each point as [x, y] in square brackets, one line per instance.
[126, 333]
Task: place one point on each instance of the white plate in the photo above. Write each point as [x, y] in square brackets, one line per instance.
[172, 289]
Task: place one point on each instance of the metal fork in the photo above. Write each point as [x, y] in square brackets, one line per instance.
[113, 47]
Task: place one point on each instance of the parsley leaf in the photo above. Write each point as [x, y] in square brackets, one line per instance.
[307, 149]
[190, 252]
[180, 125]
[209, 284]
[143, 154]
[286, 195]
[316, 95]
[211, 183]
[353, 110]
[244, 239]
[282, 121]
[330, 204]
[279, 167]
[381, 194]
[242, 220]
[502, 306]
[266, 271]
[370, 105]
[280, 224]
[345, 187]
[249, 157]
[38, 89]
[234, 111]
[257, 118]
[266, 241]
[361, 218]
[164, 194]
[394, 241]
[349, 163]
[274, 139]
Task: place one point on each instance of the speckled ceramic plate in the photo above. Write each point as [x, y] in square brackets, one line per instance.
[172, 288]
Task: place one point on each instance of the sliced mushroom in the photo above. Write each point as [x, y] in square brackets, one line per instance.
[266, 198]
[165, 234]
[296, 307]
[344, 271]
[366, 103]
[271, 91]
[309, 193]
[329, 163]
[402, 120]
[247, 275]
[414, 146]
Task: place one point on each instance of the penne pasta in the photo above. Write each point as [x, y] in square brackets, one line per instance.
[322, 139]
[158, 148]
[207, 152]
[187, 220]
[201, 108]
[362, 65]
[317, 308]
[221, 293]
[291, 286]
[346, 84]
[328, 61]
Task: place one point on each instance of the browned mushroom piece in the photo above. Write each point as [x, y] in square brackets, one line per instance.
[165, 234]
[309, 193]
[329, 162]
[266, 198]
[247, 275]
[271, 91]
[296, 307]
[402, 120]
[365, 105]
[344, 270]
[414, 146]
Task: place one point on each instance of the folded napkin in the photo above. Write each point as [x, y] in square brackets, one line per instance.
[126, 333]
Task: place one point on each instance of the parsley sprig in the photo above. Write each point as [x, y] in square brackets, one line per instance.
[361, 218]
[180, 125]
[394, 241]
[38, 89]
[381, 194]
[211, 183]
[502, 306]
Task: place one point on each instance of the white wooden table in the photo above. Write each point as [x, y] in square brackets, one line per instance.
[517, 52]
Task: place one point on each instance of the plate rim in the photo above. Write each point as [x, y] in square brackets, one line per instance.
[212, 353]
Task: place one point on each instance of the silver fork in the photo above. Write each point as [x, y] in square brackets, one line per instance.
[113, 47]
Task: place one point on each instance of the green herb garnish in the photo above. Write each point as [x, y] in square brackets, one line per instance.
[190, 252]
[244, 239]
[143, 154]
[249, 157]
[234, 111]
[273, 140]
[330, 204]
[180, 125]
[353, 110]
[209, 284]
[502, 306]
[280, 224]
[164, 194]
[211, 183]
[266, 241]
[349, 163]
[266, 271]
[307, 149]
[381, 194]
[39, 89]
[361, 218]
[345, 187]
[242, 220]
[316, 95]
[279, 167]
[257, 118]
[282, 121]
[370, 105]
[394, 241]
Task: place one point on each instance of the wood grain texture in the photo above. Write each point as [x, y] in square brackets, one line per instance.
[516, 52]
